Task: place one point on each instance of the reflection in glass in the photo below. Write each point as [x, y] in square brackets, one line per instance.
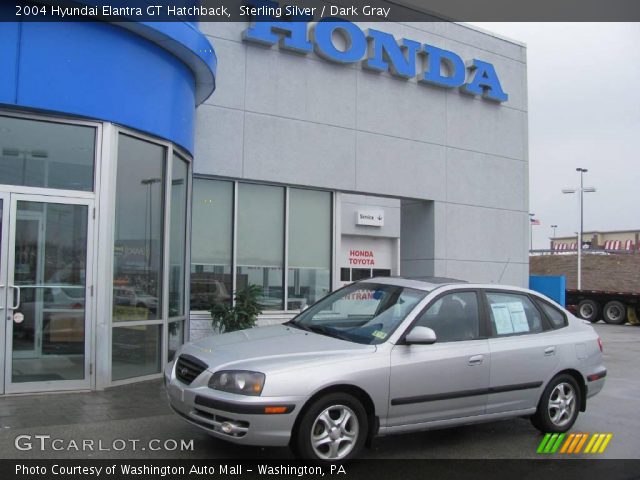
[34, 153]
[135, 351]
[176, 338]
[261, 241]
[50, 270]
[137, 269]
[211, 243]
[177, 236]
[309, 247]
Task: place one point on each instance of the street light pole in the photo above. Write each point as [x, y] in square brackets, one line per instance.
[581, 192]
[554, 236]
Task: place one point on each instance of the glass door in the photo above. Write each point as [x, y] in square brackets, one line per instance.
[47, 292]
[5, 205]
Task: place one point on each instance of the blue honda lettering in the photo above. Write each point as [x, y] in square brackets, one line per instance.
[377, 50]
[438, 58]
[485, 82]
[291, 35]
[387, 55]
[355, 41]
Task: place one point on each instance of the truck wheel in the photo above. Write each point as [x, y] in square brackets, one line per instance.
[614, 313]
[589, 310]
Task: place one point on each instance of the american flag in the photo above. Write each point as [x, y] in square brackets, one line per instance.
[535, 221]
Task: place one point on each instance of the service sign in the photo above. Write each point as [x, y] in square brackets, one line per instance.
[372, 218]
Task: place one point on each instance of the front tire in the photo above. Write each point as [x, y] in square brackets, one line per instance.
[559, 405]
[333, 429]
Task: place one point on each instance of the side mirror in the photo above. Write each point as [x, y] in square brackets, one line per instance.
[421, 336]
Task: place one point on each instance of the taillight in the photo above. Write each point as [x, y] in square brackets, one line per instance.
[600, 344]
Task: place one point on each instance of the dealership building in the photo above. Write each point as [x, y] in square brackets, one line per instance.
[149, 170]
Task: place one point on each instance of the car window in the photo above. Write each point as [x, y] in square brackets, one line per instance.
[453, 317]
[365, 313]
[557, 318]
[513, 314]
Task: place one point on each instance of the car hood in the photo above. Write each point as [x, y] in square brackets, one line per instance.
[271, 349]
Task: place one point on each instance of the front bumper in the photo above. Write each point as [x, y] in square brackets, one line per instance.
[235, 418]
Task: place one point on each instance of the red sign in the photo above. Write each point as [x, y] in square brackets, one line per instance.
[361, 257]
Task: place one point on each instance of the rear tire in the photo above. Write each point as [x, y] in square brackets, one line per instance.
[589, 310]
[615, 313]
[559, 405]
[333, 429]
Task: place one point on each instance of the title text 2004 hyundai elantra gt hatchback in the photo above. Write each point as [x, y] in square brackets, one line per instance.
[387, 356]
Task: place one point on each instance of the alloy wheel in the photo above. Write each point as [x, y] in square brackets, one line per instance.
[335, 432]
[562, 404]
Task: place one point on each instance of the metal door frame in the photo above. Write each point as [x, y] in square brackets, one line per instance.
[7, 267]
[5, 198]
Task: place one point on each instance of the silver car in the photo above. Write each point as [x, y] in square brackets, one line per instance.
[385, 356]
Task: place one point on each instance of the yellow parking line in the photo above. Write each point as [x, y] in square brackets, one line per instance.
[598, 442]
[605, 443]
[591, 442]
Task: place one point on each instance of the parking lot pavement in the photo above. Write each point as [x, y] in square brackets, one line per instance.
[139, 412]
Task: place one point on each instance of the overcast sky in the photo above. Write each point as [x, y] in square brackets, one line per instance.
[584, 111]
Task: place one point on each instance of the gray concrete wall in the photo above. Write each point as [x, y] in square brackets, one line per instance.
[281, 117]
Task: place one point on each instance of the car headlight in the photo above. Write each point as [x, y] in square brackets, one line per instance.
[243, 382]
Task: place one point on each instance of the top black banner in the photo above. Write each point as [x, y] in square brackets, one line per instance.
[315, 10]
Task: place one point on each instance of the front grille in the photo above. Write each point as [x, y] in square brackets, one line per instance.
[188, 368]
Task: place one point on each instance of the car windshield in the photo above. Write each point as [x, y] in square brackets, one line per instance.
[366, 313]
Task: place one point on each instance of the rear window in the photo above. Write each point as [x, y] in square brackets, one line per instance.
[555, 316]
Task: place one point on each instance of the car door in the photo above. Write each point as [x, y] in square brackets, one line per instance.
[523, 351]
[449, 378]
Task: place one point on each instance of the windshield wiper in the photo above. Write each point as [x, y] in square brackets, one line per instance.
[328, 331]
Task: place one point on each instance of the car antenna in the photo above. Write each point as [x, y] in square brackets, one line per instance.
[504, 269]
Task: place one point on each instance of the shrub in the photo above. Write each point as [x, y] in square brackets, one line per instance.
[227, 318]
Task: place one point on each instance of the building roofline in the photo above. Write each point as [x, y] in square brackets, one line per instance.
[591, 232]
[492, 34]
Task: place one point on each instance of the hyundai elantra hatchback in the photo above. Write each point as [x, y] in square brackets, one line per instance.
[386, 356]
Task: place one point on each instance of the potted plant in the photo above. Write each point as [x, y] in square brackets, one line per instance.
[243, 314]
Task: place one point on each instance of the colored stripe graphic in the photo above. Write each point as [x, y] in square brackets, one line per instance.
[573, 443]
[550, 443]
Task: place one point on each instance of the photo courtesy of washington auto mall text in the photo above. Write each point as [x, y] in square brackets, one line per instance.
[360, 239]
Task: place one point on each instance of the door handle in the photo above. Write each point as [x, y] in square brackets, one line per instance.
[476, 360]
[549, 351]
[17, 305]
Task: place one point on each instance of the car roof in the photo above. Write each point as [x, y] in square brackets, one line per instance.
[431, 283]
[420, 283]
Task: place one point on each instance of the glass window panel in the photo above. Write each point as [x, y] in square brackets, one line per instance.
[453, 317]
[177, 236]
[211, 243]
[309, 247]
[513, 314]
[556, 317]
[137, 270]
[50, 268]
[261, 241]
[135, 351]
[34, 153]
[176, 338]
